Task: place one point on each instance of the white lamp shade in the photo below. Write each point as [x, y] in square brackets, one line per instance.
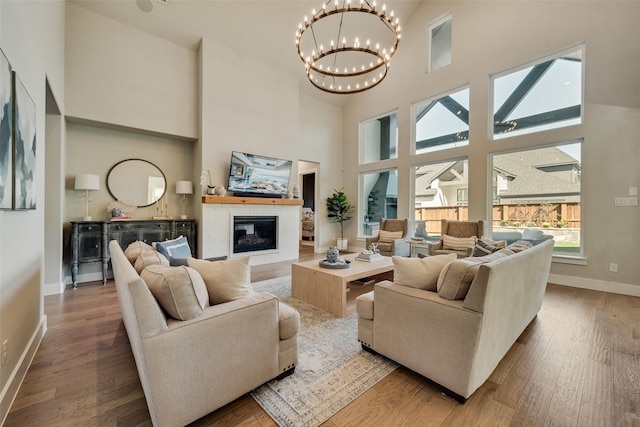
[184, 187]
[87, 182]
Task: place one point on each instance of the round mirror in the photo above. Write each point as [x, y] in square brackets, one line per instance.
[136, 181]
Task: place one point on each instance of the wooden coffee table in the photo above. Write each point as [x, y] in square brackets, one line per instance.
[326, 288]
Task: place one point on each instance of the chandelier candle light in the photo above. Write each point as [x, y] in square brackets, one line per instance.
[337, 60]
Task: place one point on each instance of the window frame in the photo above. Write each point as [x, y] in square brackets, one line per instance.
[361, 138]
[559, 256]
[492, 136]
[361, 205]
[430, 27]
[414, 124]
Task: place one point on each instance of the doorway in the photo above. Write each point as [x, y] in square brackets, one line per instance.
[308, 184]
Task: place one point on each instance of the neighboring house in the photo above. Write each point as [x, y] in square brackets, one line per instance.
[542, 175]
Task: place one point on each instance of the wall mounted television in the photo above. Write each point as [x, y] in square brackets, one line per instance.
[258, 176]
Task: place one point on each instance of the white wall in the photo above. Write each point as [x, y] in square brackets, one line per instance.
[489, 37]
[122, 76]
[249, 106]
[32, 39]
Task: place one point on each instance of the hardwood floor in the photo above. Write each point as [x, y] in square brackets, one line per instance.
[577, 364]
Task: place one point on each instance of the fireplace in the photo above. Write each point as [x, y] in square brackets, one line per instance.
[254, 233]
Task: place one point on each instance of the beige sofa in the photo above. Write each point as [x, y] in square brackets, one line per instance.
[190, 368]
[457, 343]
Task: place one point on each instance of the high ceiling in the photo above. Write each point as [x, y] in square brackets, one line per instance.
[264, 30]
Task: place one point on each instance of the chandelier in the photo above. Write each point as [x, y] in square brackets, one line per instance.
[339, 60]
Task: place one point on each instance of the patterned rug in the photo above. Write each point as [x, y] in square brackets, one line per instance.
[332, 367]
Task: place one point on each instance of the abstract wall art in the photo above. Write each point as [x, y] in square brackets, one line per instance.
[24, 131]
[6, 133]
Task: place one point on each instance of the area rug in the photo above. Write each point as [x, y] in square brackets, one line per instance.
[332, 368]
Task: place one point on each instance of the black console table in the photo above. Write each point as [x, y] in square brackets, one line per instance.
[90, 239]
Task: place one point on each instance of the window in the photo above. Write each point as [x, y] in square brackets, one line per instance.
[440, 191]
[379, 192]
[439, 43]
[538, 192]
[542, 96]
[379, 138]
[442, 123]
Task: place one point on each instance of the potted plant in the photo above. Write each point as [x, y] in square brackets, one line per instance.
[339, 211]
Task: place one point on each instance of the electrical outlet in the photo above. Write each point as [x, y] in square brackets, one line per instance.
[5, 344]
[613, 267]
[625, 201]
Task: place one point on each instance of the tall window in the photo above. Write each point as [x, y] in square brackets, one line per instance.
[442, 123]
[544, 95]
[538, 194]
[439, 43]
[379, 192]
[379, 138]
[440, 192]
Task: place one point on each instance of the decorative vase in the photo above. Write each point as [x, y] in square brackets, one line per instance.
[211, 191]
[115, 212]
[296, 192]
[341, 243]
[333, 254]
[220, 190]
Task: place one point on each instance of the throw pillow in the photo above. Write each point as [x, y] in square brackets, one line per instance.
[458, 243]
[177, 248]
[389, 236]
[225, 280]
[180, 291]
[421, 273]
[482, 248]
[456, 277]
[149, 257]
[135, 249]
[497, 243]
[531, 234]
[520, 246]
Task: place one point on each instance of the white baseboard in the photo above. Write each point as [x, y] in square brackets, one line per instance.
[10, 390]
[53, 288]
[595, 285]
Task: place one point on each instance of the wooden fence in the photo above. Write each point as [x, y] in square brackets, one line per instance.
[546, 215]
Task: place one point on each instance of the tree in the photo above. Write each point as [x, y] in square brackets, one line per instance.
[339, 209]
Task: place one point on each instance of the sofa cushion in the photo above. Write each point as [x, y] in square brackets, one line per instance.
[225, 280]
[520, 245]
[389, 236]
[497, 243]
[134, 249]
[458, 243]
[176, 248]
[421, 273]
[456, 277]
[149, 257]
[483, 248]
[532, 234]
[180, 291]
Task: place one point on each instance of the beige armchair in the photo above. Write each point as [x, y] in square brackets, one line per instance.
[457, 230]
[392, 238]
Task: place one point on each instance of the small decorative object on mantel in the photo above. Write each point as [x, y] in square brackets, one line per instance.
[220, 190]
[206, 180]
[120, 210]
[296, 192]
[334, 260]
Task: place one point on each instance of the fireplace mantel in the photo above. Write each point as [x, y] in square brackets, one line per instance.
[250, 200]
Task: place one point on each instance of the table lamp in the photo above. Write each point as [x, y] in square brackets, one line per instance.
[184, 188]
[87, 182]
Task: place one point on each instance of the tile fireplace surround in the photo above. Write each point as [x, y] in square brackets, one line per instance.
[217, 226]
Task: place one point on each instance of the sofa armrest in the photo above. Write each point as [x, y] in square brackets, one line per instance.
[434, 247]
[201, 364]
[289, 321]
